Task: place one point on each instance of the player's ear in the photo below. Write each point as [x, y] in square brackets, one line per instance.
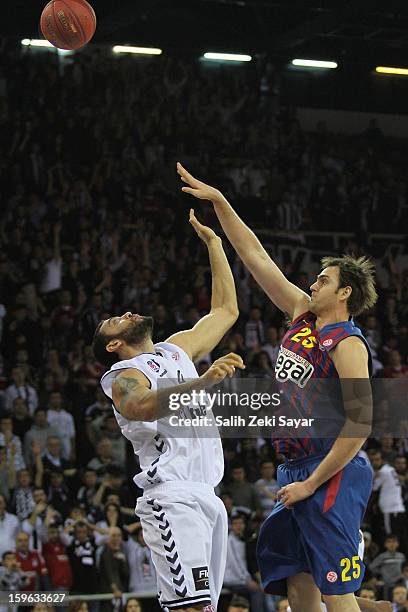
[346, 292]
[113, 346]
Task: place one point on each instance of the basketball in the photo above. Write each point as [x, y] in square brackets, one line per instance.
[68, 24]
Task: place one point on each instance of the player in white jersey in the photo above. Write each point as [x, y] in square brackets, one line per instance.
[184, 522]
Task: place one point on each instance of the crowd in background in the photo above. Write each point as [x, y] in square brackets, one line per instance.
[93, 224]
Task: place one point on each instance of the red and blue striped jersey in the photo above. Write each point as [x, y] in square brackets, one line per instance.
[305, 356]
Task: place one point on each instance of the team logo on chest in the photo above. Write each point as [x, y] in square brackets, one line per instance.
[293, 367]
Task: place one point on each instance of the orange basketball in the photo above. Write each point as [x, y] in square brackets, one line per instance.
[68, 24]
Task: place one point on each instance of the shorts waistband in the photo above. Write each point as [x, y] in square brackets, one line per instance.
[172, 485]
[292, 463]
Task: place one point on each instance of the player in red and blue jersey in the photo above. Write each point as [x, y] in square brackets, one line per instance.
[308, 546]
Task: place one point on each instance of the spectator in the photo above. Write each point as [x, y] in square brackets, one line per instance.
[261, 366]
[272, 344]
[12, 578]
[254, 330]
[37, 523]
[113, 484]
[238, 604]
[283, 605]
[112, 518]
[23, 501]
[63, 422]
[78, 606]
[390, 497]
[395, 368]
[53, 459]
[237, 577]
[387, 449]
[133, 605]
[11, 442]
[87, 492]
[82, 556]
[39, 432]
[109, 429]
[57, 561]
[95, 414]
[405, 575]
[19, 388]
[142, 573]
[399, 599]
[7, 474]
[58, 493]
[388, 565]
[104, 457]
[267, 487]
[114, 569]
[367, 592]
[9, 526]
[22, 421]
[371, 549]
[243, 493]
[32, 564]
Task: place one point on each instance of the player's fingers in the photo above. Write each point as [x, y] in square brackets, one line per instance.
[233, 359]
[194, 221]
[185, 175]
[189, 190]
[228, 369]
[218, 373]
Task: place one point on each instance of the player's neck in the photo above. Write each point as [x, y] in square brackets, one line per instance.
[331, 317]
[128, 352]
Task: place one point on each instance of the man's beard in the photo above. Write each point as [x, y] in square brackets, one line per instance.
[137, 332]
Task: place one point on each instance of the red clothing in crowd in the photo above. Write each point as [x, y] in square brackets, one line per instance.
[33, 564]
[59, 567]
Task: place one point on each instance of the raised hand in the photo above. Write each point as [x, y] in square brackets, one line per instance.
[223, 367]
[205, 233]
[197, 188]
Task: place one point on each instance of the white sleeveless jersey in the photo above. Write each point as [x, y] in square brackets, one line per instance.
[188, 453]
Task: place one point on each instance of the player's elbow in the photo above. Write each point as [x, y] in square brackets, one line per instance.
[139, 411]
[232, 314]
[227, 315]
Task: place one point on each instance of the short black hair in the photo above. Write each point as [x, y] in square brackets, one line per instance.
[99, 344]
[6, 553]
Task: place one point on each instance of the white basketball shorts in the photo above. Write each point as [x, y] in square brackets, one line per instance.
[186, 528]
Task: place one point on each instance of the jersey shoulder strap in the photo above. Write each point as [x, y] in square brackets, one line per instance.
[331, 335]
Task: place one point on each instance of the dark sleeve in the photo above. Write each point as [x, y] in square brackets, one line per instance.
[109, 569]
[251, 556]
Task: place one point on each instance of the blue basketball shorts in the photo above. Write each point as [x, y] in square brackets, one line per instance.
[320, 535]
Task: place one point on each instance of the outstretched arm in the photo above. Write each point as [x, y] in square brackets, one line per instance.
[284, 294]
[133, 398]
[210, 329]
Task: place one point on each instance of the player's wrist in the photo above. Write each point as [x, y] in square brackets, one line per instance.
[312, 484]
[218, 199]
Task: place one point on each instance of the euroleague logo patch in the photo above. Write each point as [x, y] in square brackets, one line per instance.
[154, 365]
[328, 342]
[331, 576]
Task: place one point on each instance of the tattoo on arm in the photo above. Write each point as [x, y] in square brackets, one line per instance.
[125, 386]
